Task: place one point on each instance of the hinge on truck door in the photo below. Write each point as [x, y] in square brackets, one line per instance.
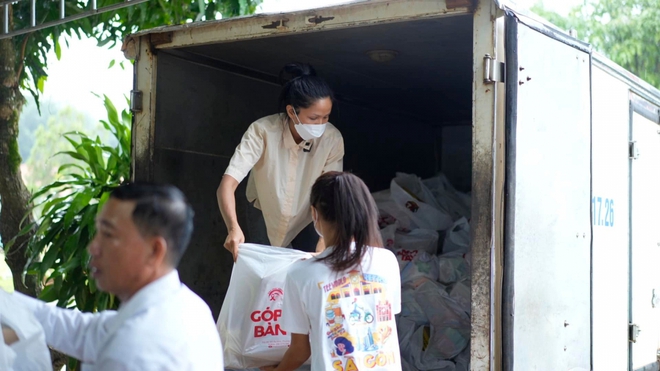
[493, 70]
[633, 332]
[633, 150]
[136, 101]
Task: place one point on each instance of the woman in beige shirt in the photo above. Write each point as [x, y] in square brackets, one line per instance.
[284, 154]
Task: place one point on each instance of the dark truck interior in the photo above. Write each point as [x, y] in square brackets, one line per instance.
[411, 114]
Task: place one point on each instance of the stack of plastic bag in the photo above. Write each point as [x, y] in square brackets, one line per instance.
[434, 323]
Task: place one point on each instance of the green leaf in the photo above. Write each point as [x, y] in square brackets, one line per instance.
[79, 202]
[51, 255]
[58, 51]
[71, 154]
[61, 169]
[48, 294]
[112, 63]
[40, 83]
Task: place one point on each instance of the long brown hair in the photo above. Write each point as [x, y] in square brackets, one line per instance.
[343, 200]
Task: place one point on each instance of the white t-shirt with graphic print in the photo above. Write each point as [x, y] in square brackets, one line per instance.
[349, 316]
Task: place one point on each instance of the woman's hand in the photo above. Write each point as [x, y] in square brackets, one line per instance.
[234, 239]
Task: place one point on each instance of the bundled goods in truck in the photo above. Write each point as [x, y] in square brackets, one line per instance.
[426, 224]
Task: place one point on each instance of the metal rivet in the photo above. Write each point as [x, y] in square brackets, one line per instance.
[565, 324]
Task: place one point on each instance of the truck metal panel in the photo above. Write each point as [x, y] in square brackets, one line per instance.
[548, 211]
[484, 223]
[610, 170]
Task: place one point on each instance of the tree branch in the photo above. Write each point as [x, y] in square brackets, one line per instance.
[22, 63]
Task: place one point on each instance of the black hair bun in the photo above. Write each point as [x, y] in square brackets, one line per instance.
[294, 70]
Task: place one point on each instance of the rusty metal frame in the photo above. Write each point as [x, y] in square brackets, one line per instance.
[335, 17]
[487, 191]
[144, 120]
[93, 10]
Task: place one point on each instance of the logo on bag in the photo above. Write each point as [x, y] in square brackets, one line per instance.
[275, 294]
[412, 206]
[407, 255]
[267, 319]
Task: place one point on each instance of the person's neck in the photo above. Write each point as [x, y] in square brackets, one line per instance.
[296, 137]
[144, 281]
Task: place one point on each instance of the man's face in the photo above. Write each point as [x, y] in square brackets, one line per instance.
[119, 254]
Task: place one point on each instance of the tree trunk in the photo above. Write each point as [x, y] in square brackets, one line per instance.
[14, 196]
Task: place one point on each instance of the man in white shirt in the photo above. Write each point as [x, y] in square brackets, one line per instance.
[142, 232]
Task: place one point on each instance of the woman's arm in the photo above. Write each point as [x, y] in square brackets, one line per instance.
[227, 203]
[298, 352]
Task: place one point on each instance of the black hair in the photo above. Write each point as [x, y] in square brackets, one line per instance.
[343, 200]
[301, 87]
[160, 210]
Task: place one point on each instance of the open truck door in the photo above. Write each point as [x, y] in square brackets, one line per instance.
[547, 252]
[644, 312]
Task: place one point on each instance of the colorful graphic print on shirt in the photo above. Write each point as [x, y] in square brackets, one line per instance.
[359, 322]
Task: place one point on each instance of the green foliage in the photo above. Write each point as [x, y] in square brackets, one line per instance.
[58, 248]
[626, 31]
[108, 28]
[42, 164]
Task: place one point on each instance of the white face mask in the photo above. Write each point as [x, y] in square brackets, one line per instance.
[308, 131]
[315, 220]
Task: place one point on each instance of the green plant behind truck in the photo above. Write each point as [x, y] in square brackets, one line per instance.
[67, 210]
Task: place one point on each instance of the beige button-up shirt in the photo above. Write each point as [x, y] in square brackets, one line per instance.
[283, 172]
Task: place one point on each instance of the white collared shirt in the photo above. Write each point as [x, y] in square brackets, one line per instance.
[283, 172]
[164, 326]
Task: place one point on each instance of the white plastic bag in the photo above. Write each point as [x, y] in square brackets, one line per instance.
[30, 352]
[414, 185]
[457, 238]
[249, 319]
[423, 266]
[405, 328]
[457, 204]
[423, 359]
[423, 215]
[463, 360]
[410, 309]
[460, 292]
[449, 325]
[389, 235]
[390, 213]
[417, 239]
[405, 256]
[452, 267]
